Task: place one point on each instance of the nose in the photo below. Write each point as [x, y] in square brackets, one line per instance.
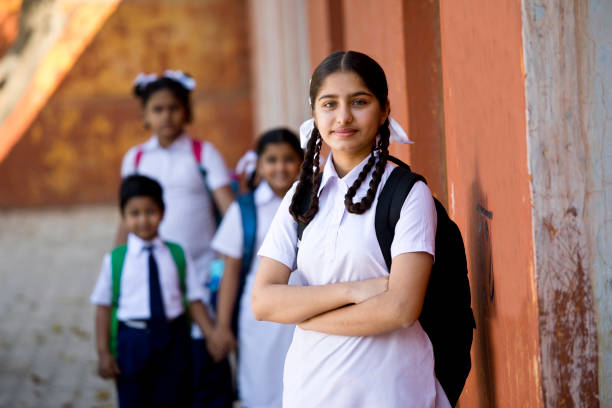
[344, 114]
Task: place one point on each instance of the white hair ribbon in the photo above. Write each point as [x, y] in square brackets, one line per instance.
[182, 78]
[247, 163]
[396, 133]
[143, 79]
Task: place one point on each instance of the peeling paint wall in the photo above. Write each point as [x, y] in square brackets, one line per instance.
[72, 151]
[568, 61]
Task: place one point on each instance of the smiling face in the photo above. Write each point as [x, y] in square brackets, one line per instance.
[142, 217]
[279, 165]
[347, 114]
[165, 115]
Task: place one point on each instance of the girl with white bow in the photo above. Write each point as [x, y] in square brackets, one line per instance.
[358, 342]
[195, 182]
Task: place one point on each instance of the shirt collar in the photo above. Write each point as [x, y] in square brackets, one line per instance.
[263, 193]
[137, 245]
[181, 142]
[329, 173]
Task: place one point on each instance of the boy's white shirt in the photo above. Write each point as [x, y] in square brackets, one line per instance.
[189, 216]
[260, 343]
[134, 291]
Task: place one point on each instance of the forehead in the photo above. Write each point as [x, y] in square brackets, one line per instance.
[162, 96]
[342, 84]
[140, 201]
[280, 148]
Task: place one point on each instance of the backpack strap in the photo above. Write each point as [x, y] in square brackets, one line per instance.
[178, 255]
[137, 158]
[117, 260]
[390, 203]
[248, 215]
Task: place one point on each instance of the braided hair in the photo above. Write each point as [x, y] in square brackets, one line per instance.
[180, 92]
[309, 182]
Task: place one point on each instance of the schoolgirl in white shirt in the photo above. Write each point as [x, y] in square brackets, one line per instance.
[195, 181]
[358, 342]
[262, 346]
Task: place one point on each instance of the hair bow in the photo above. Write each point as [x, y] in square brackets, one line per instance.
[182, 78]
[397, 134]
[143, 79]
[247, 163]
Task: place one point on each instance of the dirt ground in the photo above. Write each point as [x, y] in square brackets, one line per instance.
[49, 261]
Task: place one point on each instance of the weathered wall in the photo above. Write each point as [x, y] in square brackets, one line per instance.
[569, 75]
[72, 151]
[488, 187]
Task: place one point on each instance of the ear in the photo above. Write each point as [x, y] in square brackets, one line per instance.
[384, 114]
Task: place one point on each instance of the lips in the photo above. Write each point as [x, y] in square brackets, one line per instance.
[344, 132]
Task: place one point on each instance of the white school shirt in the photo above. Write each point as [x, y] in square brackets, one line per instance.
[134, 291]
[262, 345]
[392, 370]
[189, 216]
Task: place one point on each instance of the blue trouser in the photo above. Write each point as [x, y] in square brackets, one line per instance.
[212, 381]
[154, 378]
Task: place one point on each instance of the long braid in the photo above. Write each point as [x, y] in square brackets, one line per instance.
[309, 182]
[366, 202]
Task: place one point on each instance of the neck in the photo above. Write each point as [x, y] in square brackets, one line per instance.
[344, 162]
[167, 140]
[280, 192]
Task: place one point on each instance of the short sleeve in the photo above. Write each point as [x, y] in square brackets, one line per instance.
[195, 291]
[128, 165]
[281, 239]
[229, 238]
[102, 293]
[416, 229]
[217, 174]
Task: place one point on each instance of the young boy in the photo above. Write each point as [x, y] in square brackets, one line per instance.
[142, 331]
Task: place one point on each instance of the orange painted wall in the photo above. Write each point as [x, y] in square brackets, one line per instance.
[72, 152]
[488, 184]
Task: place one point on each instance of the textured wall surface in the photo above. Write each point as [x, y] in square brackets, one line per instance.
[72, 151]
[488, 188]
[569, 76]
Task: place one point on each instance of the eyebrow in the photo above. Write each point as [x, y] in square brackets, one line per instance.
[360, 93]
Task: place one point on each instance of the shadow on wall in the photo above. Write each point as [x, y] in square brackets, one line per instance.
[483, 292]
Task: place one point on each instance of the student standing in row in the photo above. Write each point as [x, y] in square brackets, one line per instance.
[195, 182]
[143, 294]
[262, 346]
[358, 342]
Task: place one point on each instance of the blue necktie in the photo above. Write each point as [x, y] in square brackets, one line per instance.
[158, 323]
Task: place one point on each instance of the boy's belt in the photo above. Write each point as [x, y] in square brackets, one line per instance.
[143, 324]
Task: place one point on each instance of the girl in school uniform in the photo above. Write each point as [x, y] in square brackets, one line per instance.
[195, 182]
[358, 342]
[262, 346]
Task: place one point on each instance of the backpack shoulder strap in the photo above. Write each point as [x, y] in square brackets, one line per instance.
[248, 215]
[390, 203]
[137, 158]
[197, 146]
[178, 255]
[117, 260]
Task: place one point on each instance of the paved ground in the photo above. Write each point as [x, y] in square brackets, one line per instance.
[49, 261]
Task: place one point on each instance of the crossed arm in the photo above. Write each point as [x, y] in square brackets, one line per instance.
[362, 308]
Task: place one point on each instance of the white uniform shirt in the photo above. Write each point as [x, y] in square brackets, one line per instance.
[134, 291]
[262, 345]
[189, 216]
[322, 370]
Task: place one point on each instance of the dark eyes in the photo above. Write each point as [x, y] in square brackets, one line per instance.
[355, 102]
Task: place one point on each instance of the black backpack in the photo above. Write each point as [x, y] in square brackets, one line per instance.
[447, 315]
